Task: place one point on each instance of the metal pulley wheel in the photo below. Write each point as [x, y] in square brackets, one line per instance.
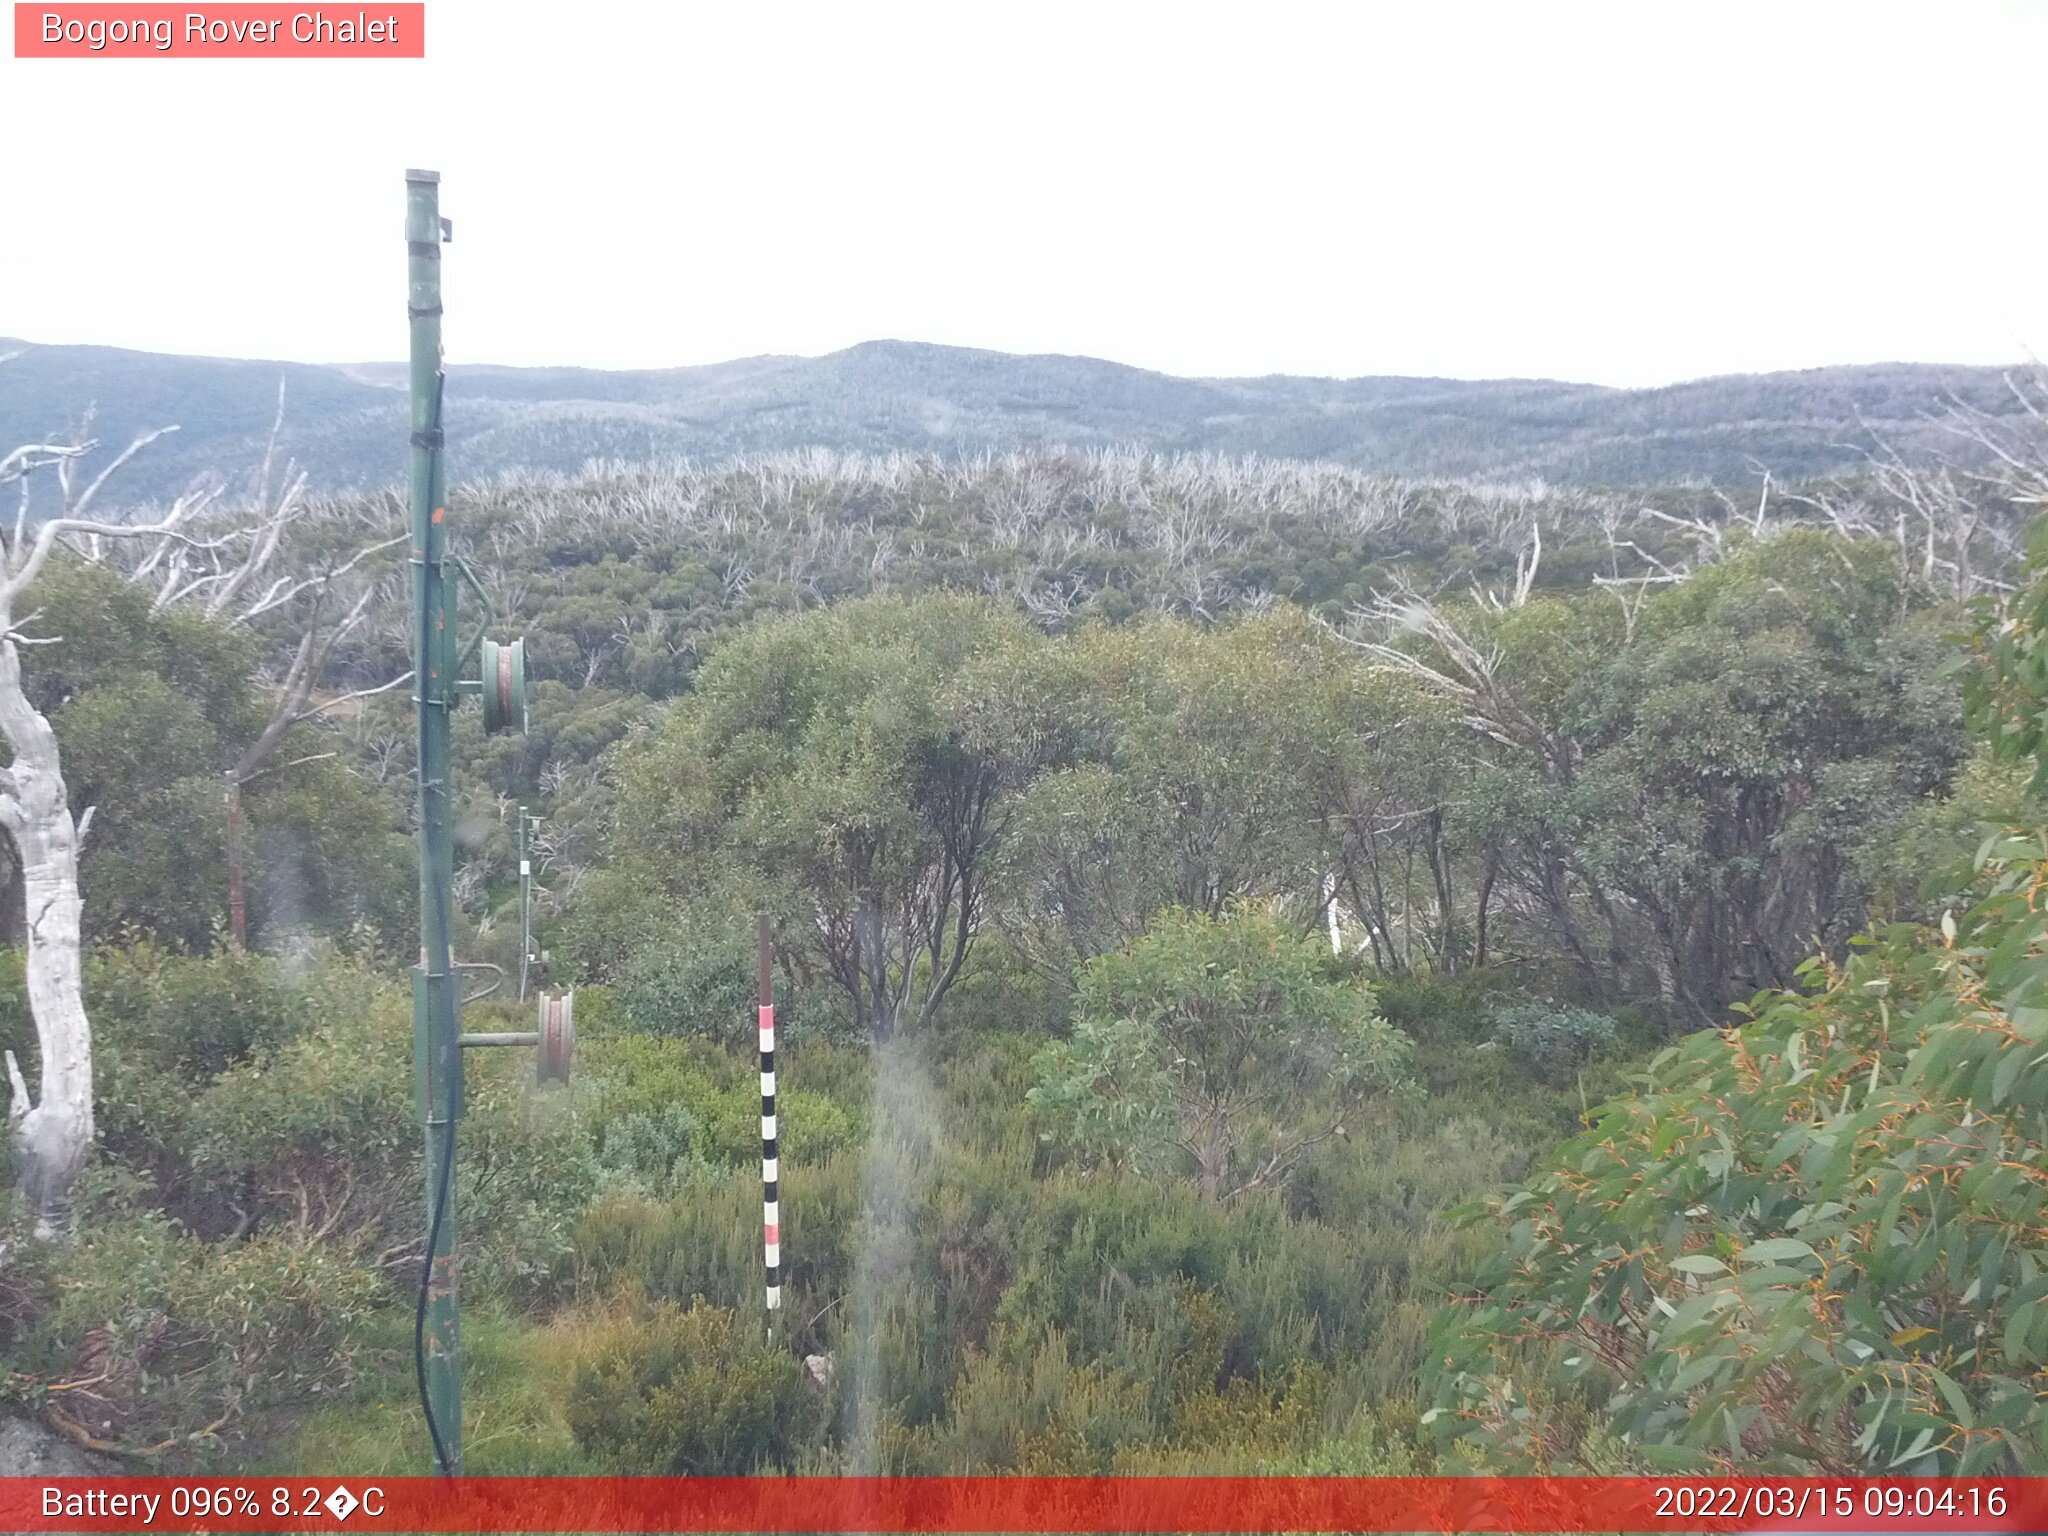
[504, 686]
[557, 1037]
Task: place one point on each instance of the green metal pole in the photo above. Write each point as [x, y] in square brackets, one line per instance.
[437, 1057]
[525, 902]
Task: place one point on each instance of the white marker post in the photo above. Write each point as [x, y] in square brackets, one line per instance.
[771, 1212]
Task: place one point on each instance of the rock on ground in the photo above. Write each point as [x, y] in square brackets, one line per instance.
[29, 1450]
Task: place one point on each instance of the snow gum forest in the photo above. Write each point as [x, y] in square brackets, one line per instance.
[1281, 968]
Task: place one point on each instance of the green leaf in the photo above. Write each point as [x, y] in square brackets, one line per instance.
[1699, 1264]
[1953, 1395]
[1775, 1250]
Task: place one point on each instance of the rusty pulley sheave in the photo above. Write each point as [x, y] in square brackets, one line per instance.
[557, 1037]
[504, 685]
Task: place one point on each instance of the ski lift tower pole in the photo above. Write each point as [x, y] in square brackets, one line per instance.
[437, 1056]
[439, 657]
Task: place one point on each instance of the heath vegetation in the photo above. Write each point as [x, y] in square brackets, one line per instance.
[1284, 968]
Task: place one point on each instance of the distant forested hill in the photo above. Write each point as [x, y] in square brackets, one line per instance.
[344, 422]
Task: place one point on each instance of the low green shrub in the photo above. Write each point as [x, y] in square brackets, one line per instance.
[1229, 1046]
[1806, 1244]
[320, 1137]
[193, 1015]
[690, 1393]
[700, 985]
[528, 1171]
[1553, 1037]
[156, 1339]
[655, 1104]
[28, 1278]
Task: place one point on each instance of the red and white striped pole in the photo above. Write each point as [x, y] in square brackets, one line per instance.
[771, 1214]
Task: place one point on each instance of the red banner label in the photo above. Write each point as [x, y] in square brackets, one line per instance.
[233, 31]
[1026, 1504]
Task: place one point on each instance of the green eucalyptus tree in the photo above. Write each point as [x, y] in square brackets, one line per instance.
[1673, 797]
[1196, 771]
[852, 768]
[1810, 1242]
[1226, 1044]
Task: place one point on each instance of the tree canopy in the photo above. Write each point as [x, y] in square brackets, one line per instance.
[1808, 1241]
[1224, 1041]
[152, 708]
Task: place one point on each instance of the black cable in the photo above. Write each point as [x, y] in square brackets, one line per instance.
[419, 1322]
[441, 1185]
[434, 1221]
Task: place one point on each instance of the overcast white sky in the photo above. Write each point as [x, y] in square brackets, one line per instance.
[1626, 194]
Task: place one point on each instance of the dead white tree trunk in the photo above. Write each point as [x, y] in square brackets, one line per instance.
[211, 561]
[53, 1129]
[53, 1132]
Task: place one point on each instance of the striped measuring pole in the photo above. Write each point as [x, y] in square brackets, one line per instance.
[771, 1212]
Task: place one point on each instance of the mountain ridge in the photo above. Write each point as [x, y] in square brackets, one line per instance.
[344, 422]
